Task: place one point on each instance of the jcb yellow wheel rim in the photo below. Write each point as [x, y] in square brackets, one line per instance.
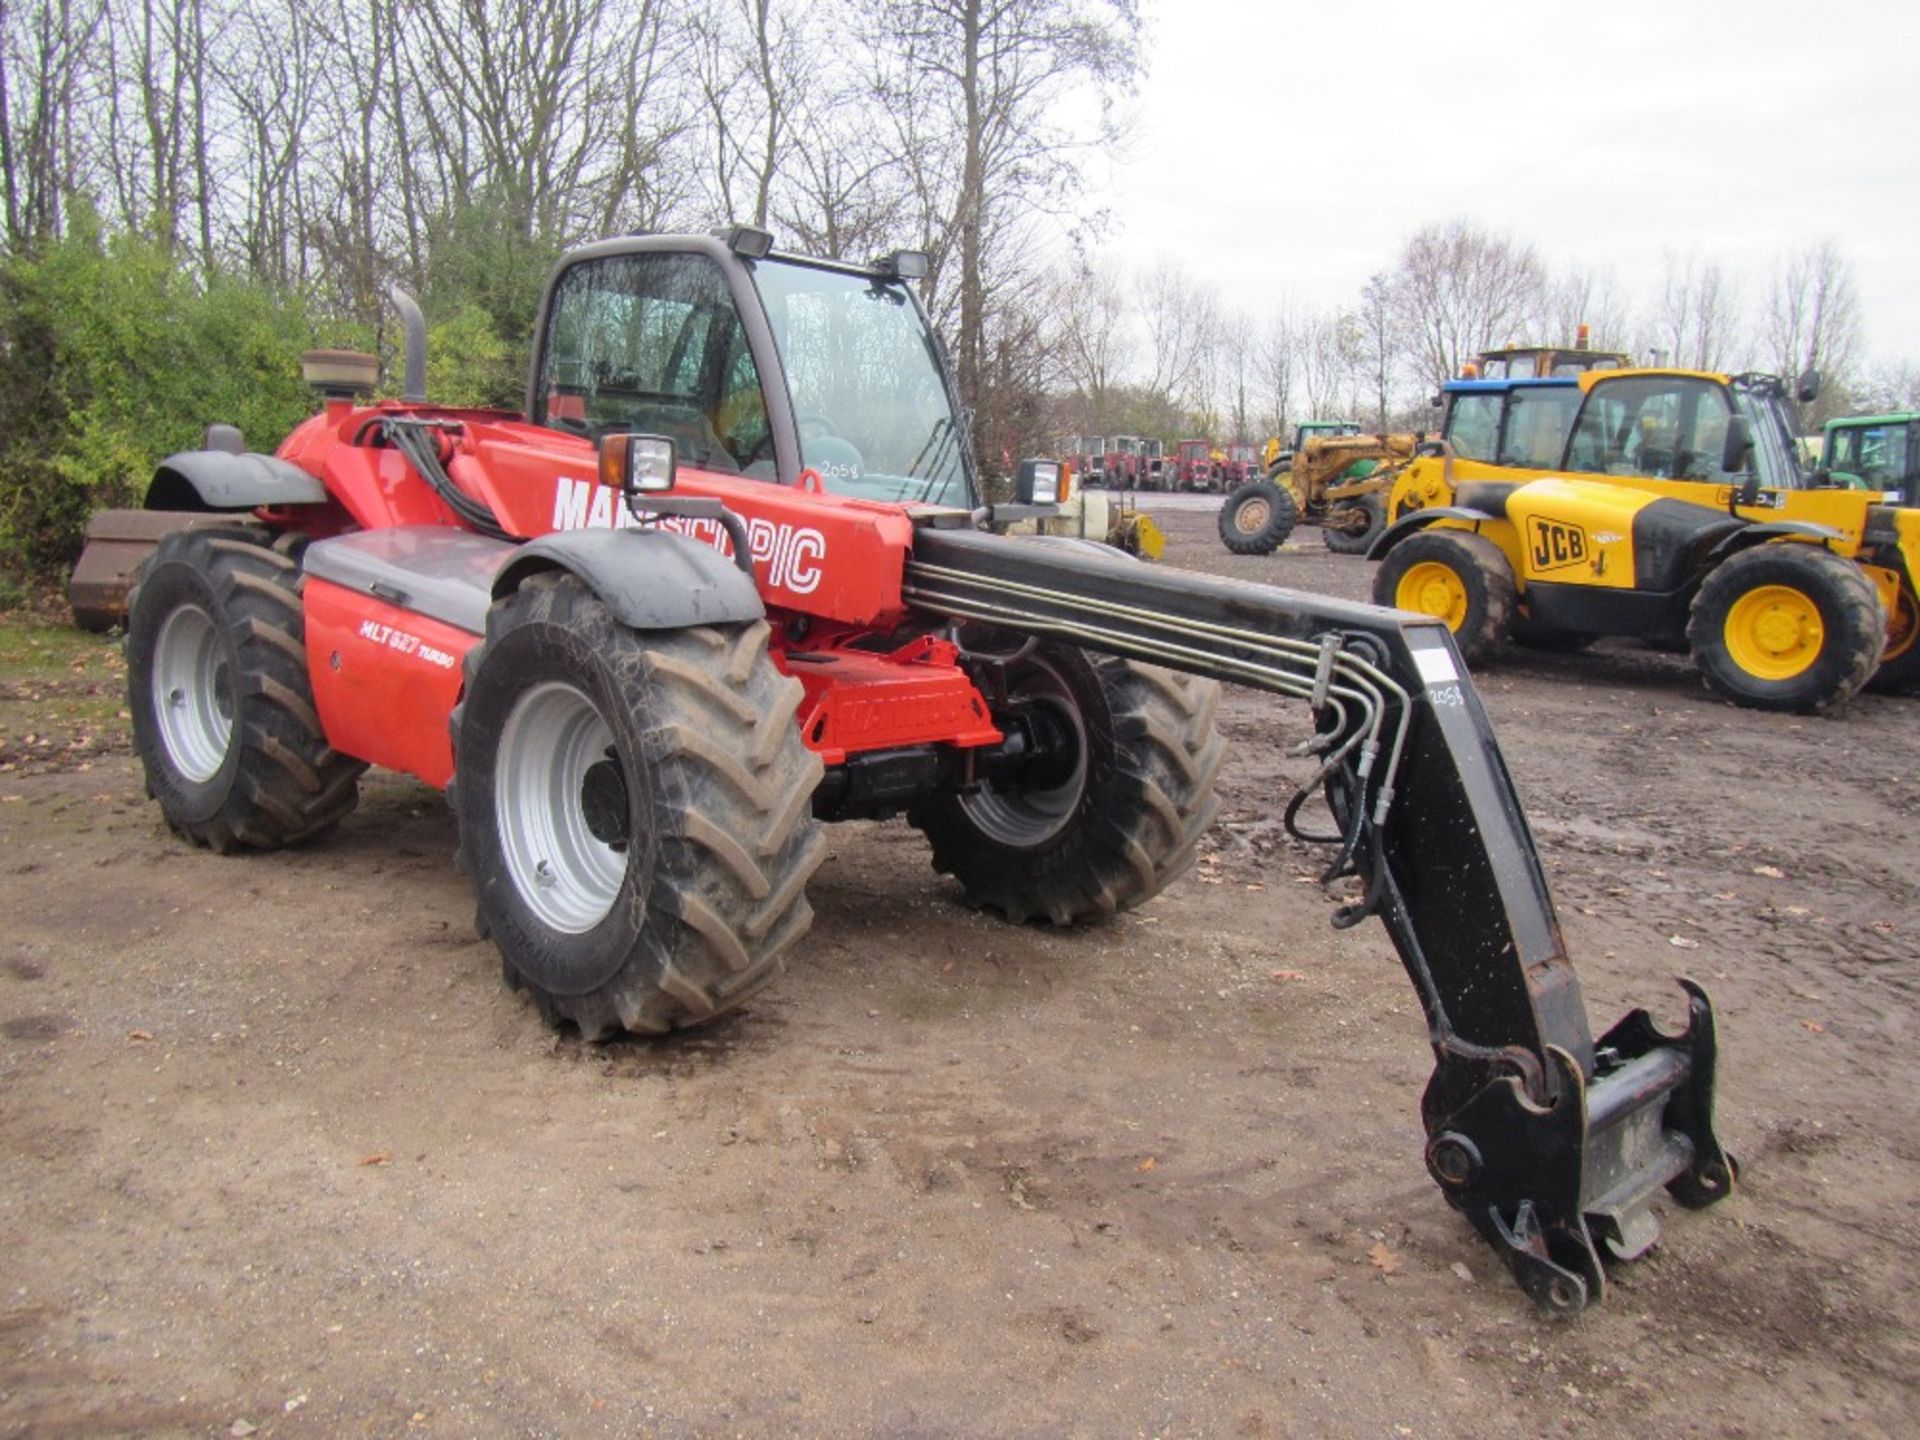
[1430, 588]
[1774, 632]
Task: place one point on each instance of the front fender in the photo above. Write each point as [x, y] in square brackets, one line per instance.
[650, 579]
[1419, 520]
[1759, 534]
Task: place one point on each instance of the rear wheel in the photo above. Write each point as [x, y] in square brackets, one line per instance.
[1899, 672]
[635, 810]
[1352, 525]
[1786, 626]
[223, 712]
[1454, 576]
[1117, 818]
[1257, 518]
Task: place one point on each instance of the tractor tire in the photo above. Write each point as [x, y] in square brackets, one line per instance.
[1899, 671]
[223, 714]
[1347, 535]
[1257, 518]
[1460, 578]
[634, 809]
[1786, 626]
[1124, 820]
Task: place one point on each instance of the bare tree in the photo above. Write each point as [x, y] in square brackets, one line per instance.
[1378, 331]
[1459, 290]
[1329, 344]
[1697, 313]
[1279, 361]
[45, 50]
[977, 83]
[1812, 322]
[1091, 322]
[1180, 317]
[1579, 297]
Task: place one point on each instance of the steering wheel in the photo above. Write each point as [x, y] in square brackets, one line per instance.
[811, 424]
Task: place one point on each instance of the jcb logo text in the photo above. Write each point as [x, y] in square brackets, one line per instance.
[1557, 545]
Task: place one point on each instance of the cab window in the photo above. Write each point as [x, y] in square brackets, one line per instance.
[1473, 424]
[653, 343]
[1662, 427]
[1536, 426]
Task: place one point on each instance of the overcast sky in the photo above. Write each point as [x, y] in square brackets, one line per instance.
[1286, 151]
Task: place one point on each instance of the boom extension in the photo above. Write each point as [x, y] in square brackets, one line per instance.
[1553, 1146]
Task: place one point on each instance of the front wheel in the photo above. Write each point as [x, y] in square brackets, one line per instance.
[223, 714]
[1256, 518]
[1786, 626]
[634, 808]
[1454, 576]
[1118, 814]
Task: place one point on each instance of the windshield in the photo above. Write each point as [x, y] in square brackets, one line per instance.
[1536, 425]
[869, 399]
[1670, 427]
[1473, 424]
[1879, 456]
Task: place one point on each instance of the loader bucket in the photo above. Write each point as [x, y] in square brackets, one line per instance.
[116, 544]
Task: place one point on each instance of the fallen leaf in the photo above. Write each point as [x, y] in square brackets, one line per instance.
[1798, 910]
[1289, 974]
[1148, 1164]
[379, 1157]
[1262, 887]
[1772, 872]
[241, 1429]
[139, 1035]
[1813, 1027]
[1462, 1271]
[1384, 1259]
[1681, 942]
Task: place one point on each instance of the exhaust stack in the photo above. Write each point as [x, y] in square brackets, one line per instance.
[415, 324]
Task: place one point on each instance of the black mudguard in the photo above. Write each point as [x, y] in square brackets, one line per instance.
[222, 480]
[1419, 520]
[651, 579]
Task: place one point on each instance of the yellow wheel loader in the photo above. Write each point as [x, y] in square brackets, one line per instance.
[1665, 505]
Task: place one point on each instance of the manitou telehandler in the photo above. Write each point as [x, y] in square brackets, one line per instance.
[725, 577]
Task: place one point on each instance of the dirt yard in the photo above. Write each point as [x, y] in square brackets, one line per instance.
[283, 1155]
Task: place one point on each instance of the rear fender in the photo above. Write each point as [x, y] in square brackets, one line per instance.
[1420, 519]
[222, 480]
[650, 579]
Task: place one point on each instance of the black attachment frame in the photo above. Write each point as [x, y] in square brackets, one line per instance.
[1552, 1146]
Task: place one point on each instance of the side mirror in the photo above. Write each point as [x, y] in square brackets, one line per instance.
[637, 465]
[1038, 482]
[1807, 388]
[1435, 400]
[1737, 452]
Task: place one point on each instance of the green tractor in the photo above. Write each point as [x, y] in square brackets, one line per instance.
[1875, 452]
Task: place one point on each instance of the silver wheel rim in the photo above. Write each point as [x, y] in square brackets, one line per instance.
[193, 693]
[568, 877]
[1028, 818]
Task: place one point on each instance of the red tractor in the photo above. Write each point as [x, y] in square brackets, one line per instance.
[730, 575]
[1192, 466]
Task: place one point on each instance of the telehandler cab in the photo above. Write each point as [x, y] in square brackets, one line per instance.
[1664, 505]
[724, 577]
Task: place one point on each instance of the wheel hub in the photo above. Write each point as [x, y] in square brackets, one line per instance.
[193, 693]
[562, 807]
[1774, 632]
[1251, 518]
[1433, 589]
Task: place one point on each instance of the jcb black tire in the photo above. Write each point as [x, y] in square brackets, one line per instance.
[1257, 517]
[635, 810]
[1899, 669]
[1786, 626]
[1458, 577]
[1122, 822]
[222, 707]
[1356, 541]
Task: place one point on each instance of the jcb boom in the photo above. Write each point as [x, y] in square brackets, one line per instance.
[726, 577]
